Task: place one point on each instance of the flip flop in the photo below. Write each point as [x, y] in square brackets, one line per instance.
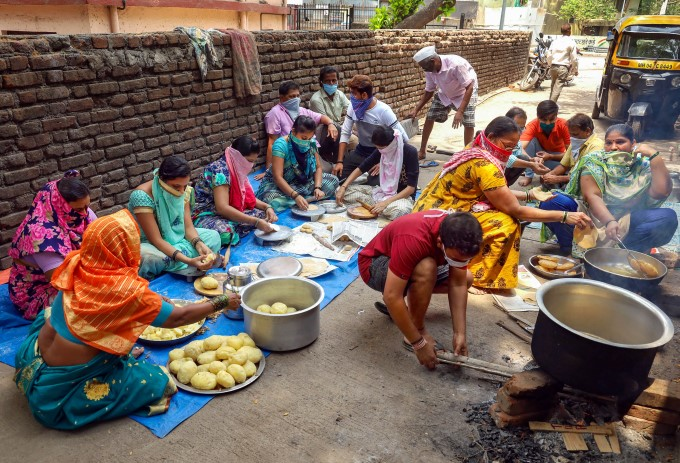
[428, 164]
[409, 347]
[382, 308]
[431, 148]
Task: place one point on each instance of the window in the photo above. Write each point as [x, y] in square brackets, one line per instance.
[649, 46]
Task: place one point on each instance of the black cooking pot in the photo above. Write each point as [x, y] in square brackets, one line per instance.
[600, 264]
[597, 337]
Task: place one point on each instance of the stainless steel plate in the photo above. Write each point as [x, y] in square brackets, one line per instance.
[284, 266]
[248, 382]
[172, 342]
[310, 214]
[283, 234]
[332, 207]
[533, 264]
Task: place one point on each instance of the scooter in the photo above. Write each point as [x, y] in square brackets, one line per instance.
[539, 70]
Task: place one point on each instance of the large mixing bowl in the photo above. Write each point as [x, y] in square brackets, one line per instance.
[610, 265]
[285, 331]
[597, 337]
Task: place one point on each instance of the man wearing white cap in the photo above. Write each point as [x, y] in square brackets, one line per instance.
[455, 83]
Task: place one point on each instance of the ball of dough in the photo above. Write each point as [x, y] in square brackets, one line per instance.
[174, 366]
[186, 371]
[203, 368]
[213, 342]
[291, 310]
[254, 354]
[209, 258]
[224, 352]
[176, 354]
[249, 368]
[264, 308]
[216, 366]
[239, 357]
[225, 380]
[237, 372]
[279, 307]
[247, 340]
[209, 283]
[204, 380]
[194, 349]
[207, 357]
[235, 342]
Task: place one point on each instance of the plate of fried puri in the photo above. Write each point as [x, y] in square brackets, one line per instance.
[553, 266]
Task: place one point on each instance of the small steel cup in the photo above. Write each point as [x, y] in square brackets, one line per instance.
[237, 278]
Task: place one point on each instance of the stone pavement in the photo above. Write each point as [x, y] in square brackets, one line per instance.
[353, 396]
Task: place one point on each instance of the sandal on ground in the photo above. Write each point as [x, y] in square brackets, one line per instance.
[431, 148]
[428, 163]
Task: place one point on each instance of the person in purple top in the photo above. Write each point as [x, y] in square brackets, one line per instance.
[279, 120]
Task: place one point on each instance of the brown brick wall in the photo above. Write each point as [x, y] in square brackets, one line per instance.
[113, 105]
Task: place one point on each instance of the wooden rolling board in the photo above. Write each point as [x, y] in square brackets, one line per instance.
[360, 213]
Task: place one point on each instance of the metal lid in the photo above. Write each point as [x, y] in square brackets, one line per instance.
[239, 271]
[284, 266]
[283, 234]
[332, 207]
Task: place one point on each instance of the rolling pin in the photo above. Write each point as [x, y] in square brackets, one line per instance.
[324, 242]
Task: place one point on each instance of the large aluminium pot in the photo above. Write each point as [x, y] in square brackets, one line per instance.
[283, 332]
[600, 263]
[597, 337]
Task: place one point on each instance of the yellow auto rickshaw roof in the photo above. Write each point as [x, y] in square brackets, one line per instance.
[659, 20]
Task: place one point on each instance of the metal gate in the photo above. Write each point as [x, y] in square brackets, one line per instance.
[320, 17]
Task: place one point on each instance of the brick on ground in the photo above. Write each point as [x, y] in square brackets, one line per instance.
[649, 427]
[516, 406]
[661, 394]
[534, 383]
[504, 420]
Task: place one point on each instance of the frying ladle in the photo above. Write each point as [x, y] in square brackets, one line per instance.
[643, 268]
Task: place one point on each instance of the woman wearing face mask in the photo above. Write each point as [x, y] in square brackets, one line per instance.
[473, 181]
[398, 176]
[279, 119]
[545, 138]
[53, 227]
[296, 170]
[621, 188]
[162, 207]
[225, 200]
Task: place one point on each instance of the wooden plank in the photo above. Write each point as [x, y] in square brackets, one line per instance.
[649, 427]
[481, 365]
[661, 394]
[574, 442]
[550, 427]
[602, 443]
[515, 330]
[614, 439]
[654, 414]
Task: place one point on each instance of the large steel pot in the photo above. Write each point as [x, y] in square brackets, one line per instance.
[597, 337]
[285, 331]
[599, 263]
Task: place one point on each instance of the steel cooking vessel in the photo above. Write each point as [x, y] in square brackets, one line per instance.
[598, 261]
[597, 337]
[282, 332]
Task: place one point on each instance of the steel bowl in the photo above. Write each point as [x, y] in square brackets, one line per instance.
[285, 331]
[599, 263]
[597, 337]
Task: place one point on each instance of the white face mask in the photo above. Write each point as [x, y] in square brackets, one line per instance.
[577, 143]
[454, 263]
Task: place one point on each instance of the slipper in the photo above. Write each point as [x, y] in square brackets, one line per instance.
[409, 347]
[382, 308]
[428, 164]
[431, 148]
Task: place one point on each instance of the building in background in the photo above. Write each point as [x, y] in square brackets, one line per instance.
[136, 16]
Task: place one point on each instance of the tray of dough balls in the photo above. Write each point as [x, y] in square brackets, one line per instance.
[217, 364]
[156, 336]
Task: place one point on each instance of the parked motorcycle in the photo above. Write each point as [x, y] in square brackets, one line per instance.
[539, 69]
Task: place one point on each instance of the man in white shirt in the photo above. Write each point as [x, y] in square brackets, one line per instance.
[562, 58]
[455, 83]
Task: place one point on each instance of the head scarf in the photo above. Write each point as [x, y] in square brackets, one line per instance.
[623, 178]
[240, 190]
[481, 148]
[169, 209]
[391, 161]
[50, 225]
[106, 304]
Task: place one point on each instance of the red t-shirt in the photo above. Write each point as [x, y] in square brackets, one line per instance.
[557, 142]
[406, 241]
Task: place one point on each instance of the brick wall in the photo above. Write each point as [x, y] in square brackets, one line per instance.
[113, 105]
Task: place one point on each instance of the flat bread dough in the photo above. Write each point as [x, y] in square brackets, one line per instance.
[312, 207]
[312, 266]
[586, 237]
[541, 195]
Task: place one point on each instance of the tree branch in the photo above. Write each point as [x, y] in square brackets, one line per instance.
[420, 18]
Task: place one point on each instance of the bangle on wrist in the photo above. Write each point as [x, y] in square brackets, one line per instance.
[268, 207]
[419, 344]
[527, 192]
[220, 302]
[256, 222]
[339, 162]
[564, 217]
[653, 156]
[195, 241]
[174, 254]
[318, 188]
[608, 222]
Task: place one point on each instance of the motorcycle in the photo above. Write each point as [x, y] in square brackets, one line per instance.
[539, 69]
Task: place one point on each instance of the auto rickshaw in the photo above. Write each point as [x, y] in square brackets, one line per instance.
[641, 79]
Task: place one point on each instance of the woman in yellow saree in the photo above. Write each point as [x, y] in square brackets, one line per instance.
[473, 181]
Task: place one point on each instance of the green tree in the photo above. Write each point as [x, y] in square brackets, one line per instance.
[410, 14]
[585, 10]
[654, 6]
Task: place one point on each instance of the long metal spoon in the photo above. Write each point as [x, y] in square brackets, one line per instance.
[634, 262]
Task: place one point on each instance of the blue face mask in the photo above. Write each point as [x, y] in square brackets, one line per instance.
[330, 89]
[360, 106]
[292, 106]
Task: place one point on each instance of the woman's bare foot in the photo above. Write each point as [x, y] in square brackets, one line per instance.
[137, 351]
[477, 291]
[421, 155]
[524, 181]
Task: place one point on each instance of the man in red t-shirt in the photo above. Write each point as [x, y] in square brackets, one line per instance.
[546, 138]
[417, 255]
